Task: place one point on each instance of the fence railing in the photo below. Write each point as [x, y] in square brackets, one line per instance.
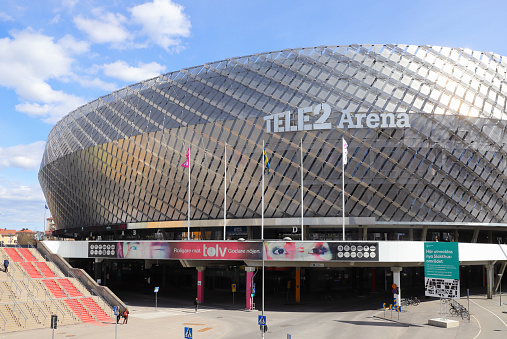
[14, 303]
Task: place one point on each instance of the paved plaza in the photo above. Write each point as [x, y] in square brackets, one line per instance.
[343, 318]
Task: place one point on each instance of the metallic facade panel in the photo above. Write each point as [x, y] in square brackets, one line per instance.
[117, 159]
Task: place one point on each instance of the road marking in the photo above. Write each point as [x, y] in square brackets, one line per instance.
[205, 329]
[490, 312]
[480, 327]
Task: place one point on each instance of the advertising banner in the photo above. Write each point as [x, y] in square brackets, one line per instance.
[322, 251]
[236, 250]
[441, 270]
[204, 250]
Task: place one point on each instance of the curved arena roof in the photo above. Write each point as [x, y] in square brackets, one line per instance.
[117, 159]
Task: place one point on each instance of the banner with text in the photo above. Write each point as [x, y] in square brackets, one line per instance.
[441, 270]
[176, 250]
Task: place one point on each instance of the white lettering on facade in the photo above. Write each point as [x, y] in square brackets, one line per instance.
[300, 120]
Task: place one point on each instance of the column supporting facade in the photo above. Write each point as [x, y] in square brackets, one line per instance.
[490, 269]
[249, 287]
[397, 280]
[200, 283]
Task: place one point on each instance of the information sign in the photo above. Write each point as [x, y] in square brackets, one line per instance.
[262, 320]
[156, 289]
[441, 269]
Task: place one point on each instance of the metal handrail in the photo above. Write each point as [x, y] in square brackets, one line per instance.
[15, 303]
[19, 290]
[54, 303]
[36, 305]
[82, 286]
[3, 318]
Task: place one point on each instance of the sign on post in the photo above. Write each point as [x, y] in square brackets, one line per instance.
[441, 270]
[116, 310]
[262, 320]
[233, 288]
[54, 321]
[156, 289]
[188, 332]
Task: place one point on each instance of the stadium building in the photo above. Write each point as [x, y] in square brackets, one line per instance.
[262, 141]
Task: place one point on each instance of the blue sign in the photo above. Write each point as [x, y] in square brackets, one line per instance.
[288, 336]
[116, 310]
[253, 288]
[156, 289]
[188, 332]
[262, 320]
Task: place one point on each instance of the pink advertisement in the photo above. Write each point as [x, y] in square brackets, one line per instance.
[204, 250]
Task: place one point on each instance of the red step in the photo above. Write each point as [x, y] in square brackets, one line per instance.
[54, 288]
[69, 287]
[13, 254]
[25, 252]
[79, 310]
[32, 272]
[95, 309]
[44, 268]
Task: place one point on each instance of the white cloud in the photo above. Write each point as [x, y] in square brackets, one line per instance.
[5, 17]
[22, 156]
[163, 22]
[70, 44]
[121, 70]
[28, 61]
[97, 83]
[104, 28]
[21, 206]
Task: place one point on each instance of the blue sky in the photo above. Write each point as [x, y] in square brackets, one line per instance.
[56, 55]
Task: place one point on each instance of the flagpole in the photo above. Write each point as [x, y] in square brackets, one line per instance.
[225, 186]
[344, 154]
[188, 193]
[262, 225]
[302, 190]
[262, 199]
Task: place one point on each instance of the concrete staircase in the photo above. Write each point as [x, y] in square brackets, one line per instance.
[34, 289]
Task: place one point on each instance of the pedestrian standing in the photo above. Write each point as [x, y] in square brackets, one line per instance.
[196, 304]
[125, 316]
[6, 264]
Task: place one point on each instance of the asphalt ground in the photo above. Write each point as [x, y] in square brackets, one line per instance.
[346, 317]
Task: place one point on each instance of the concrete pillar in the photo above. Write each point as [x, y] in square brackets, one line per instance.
[298, 284]
[249, 286]
[200, 283]
[98, 269]
[397, 280]
[490, 268]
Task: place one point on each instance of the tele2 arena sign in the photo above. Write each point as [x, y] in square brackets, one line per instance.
[299, 120]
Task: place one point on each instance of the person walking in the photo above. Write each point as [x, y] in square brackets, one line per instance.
[196, 304]
[125, 316]
[6, 265]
